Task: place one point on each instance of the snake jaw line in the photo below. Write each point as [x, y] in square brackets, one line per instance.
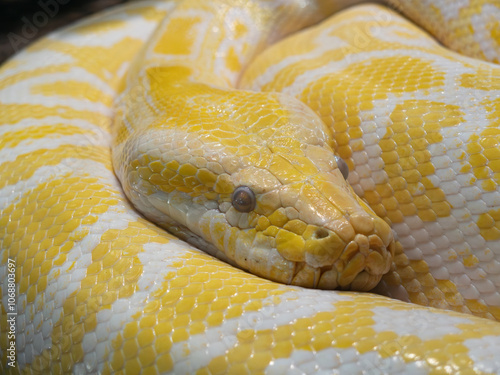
[354, 255]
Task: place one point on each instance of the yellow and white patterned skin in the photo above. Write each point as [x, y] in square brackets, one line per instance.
[187, 146]
[100, 289]
[417, 126]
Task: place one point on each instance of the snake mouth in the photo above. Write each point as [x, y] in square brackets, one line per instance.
[354, 263]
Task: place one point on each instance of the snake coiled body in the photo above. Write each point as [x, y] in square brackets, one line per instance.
[91, 114]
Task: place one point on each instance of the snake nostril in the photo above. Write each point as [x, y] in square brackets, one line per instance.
[321, 233]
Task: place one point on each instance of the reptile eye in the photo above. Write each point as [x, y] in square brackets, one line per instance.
[243, 199]
[344, 169]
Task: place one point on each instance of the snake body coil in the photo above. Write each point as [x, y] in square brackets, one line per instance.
[241, 149]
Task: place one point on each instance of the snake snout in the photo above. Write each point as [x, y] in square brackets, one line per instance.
[354, 258]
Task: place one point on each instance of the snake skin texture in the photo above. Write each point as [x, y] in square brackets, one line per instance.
[183, 147]
[415, 139]
[100, 288]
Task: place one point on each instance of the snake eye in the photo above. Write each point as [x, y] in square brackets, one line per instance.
[243, 199]
[344, 169]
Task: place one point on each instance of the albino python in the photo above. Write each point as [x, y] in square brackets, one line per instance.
[140, 102]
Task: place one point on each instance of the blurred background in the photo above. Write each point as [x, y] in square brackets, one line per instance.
[24, 21]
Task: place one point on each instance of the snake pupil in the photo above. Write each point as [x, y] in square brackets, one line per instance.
[342, 165]
[243, 199]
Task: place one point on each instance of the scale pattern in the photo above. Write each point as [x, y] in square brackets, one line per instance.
[180, 157]
[469, 27]
[100, 289]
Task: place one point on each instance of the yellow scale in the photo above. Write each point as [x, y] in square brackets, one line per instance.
[132, 297]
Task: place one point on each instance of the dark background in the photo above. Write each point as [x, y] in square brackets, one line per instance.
[24, 21]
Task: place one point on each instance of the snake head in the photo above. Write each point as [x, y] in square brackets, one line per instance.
[313, 232]
[271, 198]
